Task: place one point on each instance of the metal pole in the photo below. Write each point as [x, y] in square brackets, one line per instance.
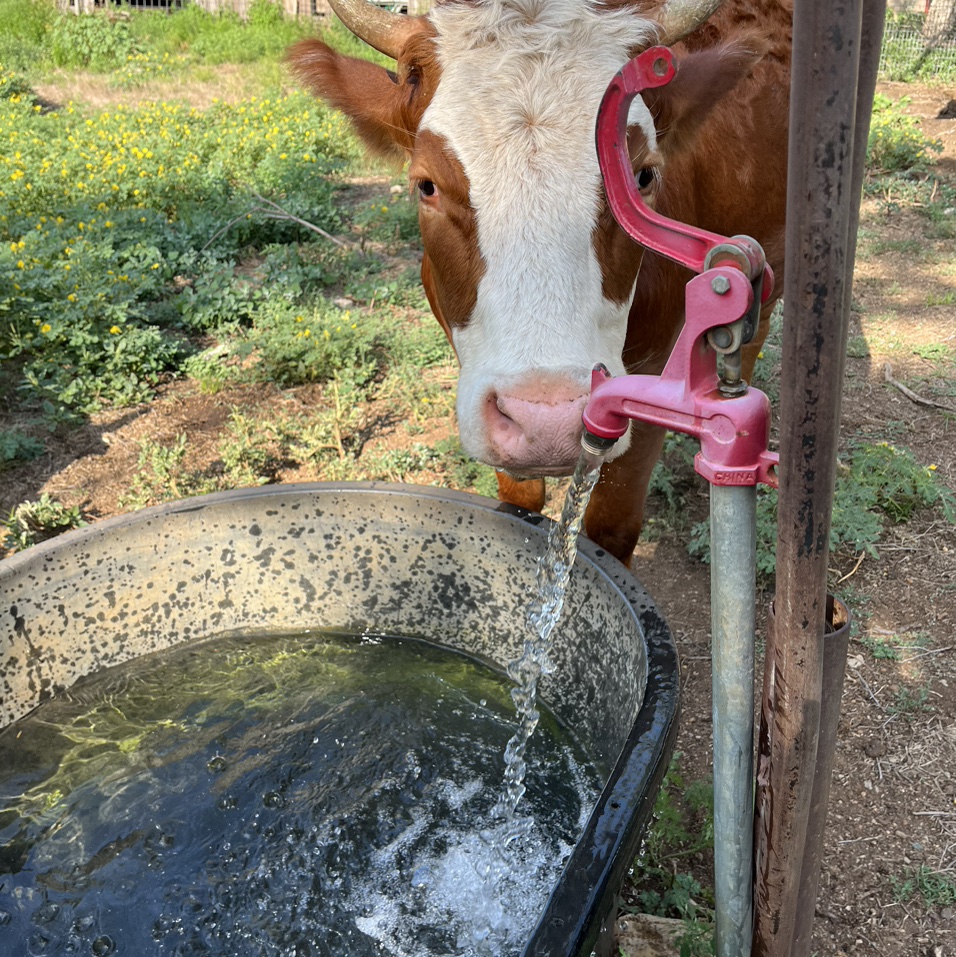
[733, 514]
[821, 209]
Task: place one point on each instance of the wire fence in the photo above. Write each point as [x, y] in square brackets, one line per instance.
[919, 47]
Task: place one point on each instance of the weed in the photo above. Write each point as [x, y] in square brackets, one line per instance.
[94, 41]
[678, 832]
[33, 522]
[907, 55]
[933, 888]
[857, 347]
[881, 649]
[879, 483]
[463, 472]
[98, 256]
[161, 476]
[17, 447]
[246, 452]
[896, 141]
[390, 221]
[936, 351]
[909, 703]
[209, 368]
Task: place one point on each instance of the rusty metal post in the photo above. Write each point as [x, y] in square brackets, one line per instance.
[829, 120]
[835, 646]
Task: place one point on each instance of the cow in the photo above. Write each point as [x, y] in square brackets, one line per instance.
[493, 105]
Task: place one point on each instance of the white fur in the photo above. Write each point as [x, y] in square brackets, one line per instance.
[517, 103]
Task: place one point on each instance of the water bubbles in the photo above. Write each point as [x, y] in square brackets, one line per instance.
[103, 946]
[46, 913]
[272, 799]
[217, 764]
[422, 876]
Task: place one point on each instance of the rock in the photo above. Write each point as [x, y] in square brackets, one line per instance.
[641, 935]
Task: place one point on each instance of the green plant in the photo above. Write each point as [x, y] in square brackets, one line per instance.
[878, 483]
[463, 472]
[162, 476]
[33, 522]
[246, 452]
[909, 702]
[91, 40]
[101, 218]
[14, 87]
[933, 888]
[896, 141]
[389, 221]
[24, 31]
[907, 55]
[678, 831]
[17, 447]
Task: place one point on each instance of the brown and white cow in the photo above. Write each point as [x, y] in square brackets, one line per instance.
[493, 104]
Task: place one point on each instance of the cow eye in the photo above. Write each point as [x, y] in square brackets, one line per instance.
[426, 188]
[645, 178]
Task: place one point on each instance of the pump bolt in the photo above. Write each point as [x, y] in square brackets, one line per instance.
[720, 285]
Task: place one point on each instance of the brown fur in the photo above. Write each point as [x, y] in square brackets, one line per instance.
[722, 125]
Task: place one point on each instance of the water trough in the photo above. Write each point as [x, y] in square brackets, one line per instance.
[364, 559]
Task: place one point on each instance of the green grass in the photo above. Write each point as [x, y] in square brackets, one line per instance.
[681, 830]
[923, 884]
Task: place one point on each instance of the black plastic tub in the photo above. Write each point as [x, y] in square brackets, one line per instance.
[447, 567]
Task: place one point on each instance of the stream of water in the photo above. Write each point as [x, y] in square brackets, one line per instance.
[508, 829]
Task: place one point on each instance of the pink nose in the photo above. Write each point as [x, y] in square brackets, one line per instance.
[535, 432]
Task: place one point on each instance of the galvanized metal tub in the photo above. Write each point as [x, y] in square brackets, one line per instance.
[448, 567]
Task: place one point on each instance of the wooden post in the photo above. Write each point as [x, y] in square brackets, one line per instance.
[829, 121]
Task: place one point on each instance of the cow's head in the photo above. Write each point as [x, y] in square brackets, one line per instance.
[493, 104]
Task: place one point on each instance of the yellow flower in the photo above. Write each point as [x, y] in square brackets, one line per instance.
[71, 297]
[115, 330]
[45, 328]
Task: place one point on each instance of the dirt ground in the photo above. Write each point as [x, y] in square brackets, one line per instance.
[893, 800]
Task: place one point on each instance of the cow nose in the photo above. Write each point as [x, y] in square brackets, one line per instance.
[534, 433]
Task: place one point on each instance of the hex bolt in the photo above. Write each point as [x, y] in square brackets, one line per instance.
[720, 285]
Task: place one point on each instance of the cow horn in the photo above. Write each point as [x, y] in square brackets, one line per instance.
[379, 28]
[677, 18]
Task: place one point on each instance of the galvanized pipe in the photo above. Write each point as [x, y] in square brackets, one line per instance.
[733, 596]
[821, 220]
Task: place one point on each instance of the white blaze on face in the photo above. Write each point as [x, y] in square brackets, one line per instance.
[517, 103]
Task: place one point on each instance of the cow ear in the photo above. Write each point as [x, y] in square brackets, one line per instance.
[681, 107]
[367, 94]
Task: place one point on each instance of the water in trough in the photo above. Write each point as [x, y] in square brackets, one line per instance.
[306, 794]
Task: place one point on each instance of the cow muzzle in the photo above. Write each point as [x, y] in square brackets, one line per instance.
[528, 433]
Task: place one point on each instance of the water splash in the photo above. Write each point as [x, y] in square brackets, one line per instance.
[509, 829]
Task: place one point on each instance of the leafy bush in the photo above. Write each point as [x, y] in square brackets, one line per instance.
[880, 483]
[17, 447]
[24, 29]
[33, 522]
[896, 142]
[223, 37]
[120, 226]
[92, 40]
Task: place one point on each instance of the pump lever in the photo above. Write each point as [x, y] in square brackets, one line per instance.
[690, 246]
